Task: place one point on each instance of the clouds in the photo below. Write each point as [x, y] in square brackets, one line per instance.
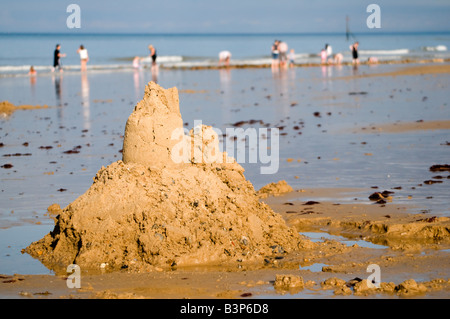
[232, 16]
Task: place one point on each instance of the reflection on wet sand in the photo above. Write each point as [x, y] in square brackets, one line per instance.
[225, 90]
[85, 100]
[137, 77]
[155, 73]
[57, 82]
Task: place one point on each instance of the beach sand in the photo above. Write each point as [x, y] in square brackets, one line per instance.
[333, 167]
[339, 254]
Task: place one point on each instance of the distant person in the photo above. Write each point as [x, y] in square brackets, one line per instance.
[372, 60]
[323, 56]
[84, 58]
[338, 58]
[354, 49]
[154, 68]
[32, 71]
[329, 50]
[152, 54]
[291, 58]
[283, 48]
[57, 55]
[224, 58]
[137, 62]
[275, 54]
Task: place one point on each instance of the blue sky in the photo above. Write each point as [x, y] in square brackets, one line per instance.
[231, 16]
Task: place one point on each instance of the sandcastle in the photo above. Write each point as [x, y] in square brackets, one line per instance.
[148, 210]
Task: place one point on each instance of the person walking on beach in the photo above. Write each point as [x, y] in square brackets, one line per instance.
[152, 54]
[84, 58]
[224, 58]
[354, 49]
[57, 55]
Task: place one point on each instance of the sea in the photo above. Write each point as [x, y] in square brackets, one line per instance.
[117, 51]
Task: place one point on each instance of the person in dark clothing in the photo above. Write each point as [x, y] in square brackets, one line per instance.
[57, 55]
[354, 49]
[152, 54]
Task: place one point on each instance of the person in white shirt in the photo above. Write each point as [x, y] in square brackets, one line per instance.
[83, 57]
[329, 50]
[224, 58]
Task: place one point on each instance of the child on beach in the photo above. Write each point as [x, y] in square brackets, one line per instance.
[372, 60]
[291, 58]
[32, 71]
[323, 56]
[83, 57]
[137, 62]
[338, 58]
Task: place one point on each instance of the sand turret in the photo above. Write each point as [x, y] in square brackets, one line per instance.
[147, 211]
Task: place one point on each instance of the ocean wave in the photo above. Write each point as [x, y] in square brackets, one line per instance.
[439, 48]
[384, 52]
[164, 59]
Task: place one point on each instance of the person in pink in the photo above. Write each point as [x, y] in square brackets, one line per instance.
[323, 56]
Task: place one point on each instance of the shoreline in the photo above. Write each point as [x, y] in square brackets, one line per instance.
[305, 65]
[75, 69]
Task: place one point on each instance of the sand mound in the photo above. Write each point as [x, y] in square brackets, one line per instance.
[148, 210]
[275, 189]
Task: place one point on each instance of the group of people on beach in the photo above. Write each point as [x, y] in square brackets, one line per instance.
[137, 60]
[279, 52]
[154, 68]
[280, 58]
[84, 58]
[326, 55]
[57, 55]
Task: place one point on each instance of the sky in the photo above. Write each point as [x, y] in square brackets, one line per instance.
[231, 16]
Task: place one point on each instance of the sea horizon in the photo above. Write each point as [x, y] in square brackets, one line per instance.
[372, 32]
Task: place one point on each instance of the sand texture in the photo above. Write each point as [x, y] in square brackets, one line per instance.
[7, 108]
[146, 211]
[275, 189]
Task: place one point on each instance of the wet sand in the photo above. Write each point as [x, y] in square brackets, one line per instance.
[71, 142]
[413, 71]
[339, 254]
[400, 127]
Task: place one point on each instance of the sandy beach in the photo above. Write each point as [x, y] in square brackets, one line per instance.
[364, 151]
[336, 260]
